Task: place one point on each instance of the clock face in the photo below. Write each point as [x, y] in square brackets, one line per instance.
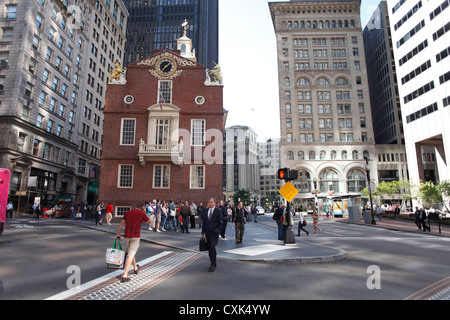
[166, 67]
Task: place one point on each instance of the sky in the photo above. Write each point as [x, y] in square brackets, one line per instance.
[248, 59]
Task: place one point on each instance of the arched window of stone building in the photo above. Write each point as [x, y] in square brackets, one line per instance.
[303, 183]
[356, 180]
[329, 178]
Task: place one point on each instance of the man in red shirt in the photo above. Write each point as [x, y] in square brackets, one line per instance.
[109, 211]
[132, 220]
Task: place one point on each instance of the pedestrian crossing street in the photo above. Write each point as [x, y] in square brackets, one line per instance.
[152, 272]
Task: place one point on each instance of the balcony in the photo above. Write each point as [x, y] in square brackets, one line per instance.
[152, 152]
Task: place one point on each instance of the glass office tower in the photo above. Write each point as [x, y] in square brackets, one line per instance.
[156, 24]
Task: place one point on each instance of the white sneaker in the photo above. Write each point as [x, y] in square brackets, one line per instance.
[158, 230]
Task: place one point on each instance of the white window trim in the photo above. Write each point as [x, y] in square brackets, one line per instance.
[192, 133]
[121, 132]
[132, 176]
[153, 178]
[193, 167]
[121, 207]
[159, 92]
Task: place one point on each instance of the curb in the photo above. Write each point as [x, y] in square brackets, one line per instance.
[297, 260]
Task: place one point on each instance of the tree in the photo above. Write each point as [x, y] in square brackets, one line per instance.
[430, 194]
[407, 190]
[243, 195]
[389, 189]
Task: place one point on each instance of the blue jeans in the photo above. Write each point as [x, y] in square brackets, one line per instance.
[280, 230]
[172, 220]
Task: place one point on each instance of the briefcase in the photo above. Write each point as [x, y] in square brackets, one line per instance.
[203, 245]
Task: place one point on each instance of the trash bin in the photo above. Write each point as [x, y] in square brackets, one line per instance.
[354, 214]
[367, 217]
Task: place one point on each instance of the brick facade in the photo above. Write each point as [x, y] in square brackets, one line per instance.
[142, 84]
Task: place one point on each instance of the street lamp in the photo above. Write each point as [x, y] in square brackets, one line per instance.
[369, 188]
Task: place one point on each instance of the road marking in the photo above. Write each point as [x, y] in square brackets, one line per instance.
[153, 271]
[257, 250]
[433, 291]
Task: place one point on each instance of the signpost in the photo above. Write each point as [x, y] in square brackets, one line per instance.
[288, 191]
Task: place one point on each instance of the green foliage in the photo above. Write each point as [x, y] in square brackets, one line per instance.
[243, 195]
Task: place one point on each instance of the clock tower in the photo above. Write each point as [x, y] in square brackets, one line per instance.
[165, 137]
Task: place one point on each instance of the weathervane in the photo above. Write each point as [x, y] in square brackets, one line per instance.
[185, 25]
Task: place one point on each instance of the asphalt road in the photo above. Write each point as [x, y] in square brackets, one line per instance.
[380, 264]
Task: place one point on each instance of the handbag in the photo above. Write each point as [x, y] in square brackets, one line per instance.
[116, 257]
[304, 223]
[203, 245]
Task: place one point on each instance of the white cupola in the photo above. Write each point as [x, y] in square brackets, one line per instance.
[184, 44]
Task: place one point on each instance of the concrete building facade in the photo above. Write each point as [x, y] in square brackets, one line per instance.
[420, 37]
[326, 119]
[53, 73]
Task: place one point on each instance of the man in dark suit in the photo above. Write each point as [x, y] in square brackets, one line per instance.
[211, 227]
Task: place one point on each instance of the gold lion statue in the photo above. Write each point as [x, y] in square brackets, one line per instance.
[216, 73]
[116, 72]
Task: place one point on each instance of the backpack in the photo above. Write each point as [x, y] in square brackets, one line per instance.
[277, 215]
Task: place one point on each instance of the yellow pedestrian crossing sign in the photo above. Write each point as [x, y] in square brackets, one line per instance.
[288, 191]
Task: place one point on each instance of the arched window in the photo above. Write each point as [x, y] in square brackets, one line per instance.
[303, 183]
[323, 82]
[290, 155]
[301, 155]
[341, 82]
[355, 155]
[366, 154]
[329, 180]
[344, 155]
[287, 81]
[323, 155]
[333, 155]
[356, 180]
[303, 82]
[312, 155]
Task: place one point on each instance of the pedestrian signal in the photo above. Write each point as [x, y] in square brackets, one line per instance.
[283, 174]
[287, 174]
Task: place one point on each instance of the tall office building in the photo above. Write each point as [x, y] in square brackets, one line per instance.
[269, 163]
[382, 78]
[326, 120]
[241, 166]
[156, 24]
[421, 37]
[54, 67]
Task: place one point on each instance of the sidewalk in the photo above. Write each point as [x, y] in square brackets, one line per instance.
[405, 225]
[260, 244]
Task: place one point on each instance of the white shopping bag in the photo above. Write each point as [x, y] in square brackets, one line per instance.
[116, 257]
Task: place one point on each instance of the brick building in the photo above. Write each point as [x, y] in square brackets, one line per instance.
[163, 136]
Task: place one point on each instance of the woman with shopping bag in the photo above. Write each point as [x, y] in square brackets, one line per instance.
[132, 220]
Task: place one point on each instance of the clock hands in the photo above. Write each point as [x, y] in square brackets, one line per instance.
[167, 65]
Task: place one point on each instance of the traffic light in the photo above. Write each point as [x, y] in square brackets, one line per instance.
[287, 174]
[283, 174]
